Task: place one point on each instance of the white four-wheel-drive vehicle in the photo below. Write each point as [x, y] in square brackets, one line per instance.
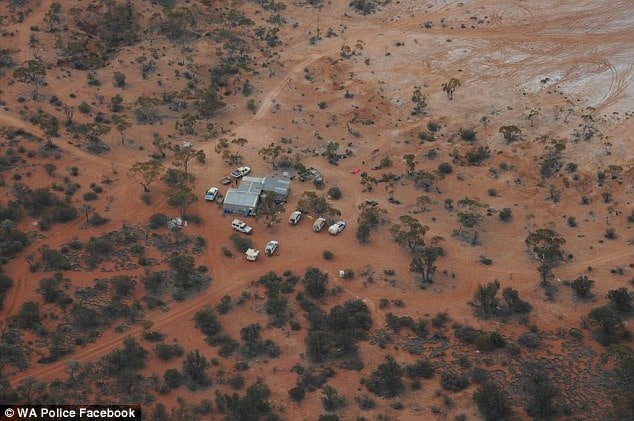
[295, 217]
[319, 224]
[337, 227]
[270, 248]
[240, 225]
[211, 194]
[242, 171]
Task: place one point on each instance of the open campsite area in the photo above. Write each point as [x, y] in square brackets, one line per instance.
[478, 154]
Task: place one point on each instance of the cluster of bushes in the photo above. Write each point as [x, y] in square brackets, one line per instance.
[276, 289]
[396, 323]
[183, 278]
[206, 320]
[334, 335]
[43, 204]
[487, 303]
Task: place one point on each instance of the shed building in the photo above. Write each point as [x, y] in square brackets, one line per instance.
[278, 186]
[241, 202]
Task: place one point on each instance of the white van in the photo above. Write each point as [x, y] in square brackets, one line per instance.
[319, 224]
[295, 217]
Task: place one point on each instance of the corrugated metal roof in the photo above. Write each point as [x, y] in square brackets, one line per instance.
[241, 198]
[251, 184]
[278, 185]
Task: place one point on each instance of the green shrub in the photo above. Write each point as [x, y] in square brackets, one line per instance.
[453, 382]
[328, 255]
[158, 220]
[84, 108]
[241, 243]
[445, 168]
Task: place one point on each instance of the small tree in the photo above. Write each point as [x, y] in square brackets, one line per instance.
[410, 163]
[315, 282]
[159, 143]
[270, 153]
[542, 392]
[195, 370]
[144, 173]
[450, 87]
[386, 380]
[183, 156]
[424, 260]
[531, 116]
[514, 302]
[181, 197]
[485, 298]
[511, 133]
[582, 286]
[546, 245]
[69, 111]
[620, 299]
[420, 101]
[121, 124]
[608, 320]
[32, 73]
[492, 403]
[118, 79]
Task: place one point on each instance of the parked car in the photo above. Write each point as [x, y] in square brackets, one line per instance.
[337, 227]
[295, 217]
[240, 172]
[271, 246]
[240, 225]
[210, 195]
[319, 224]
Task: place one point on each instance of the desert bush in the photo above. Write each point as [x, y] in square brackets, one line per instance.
[492, 402]
[54, 259]
[240, 242]
[466, 333]
[173, 378]
[445, 168]
[123, 285]
[84, 107]
[542, 393]
[582, 286]
[315, 282]
[96, 220]
[530, 340]
[195, 370]
[12, 240]
[610, 323]
[467, 135]
[489, 341]
[506, 214]
[158, 220]
[334, 192]
[28, 316]
[328, 255]
[118, 79]
[166, 352]
[421, 368]
[5, 285]
[331, 399]
[452, 381]
[386, 380]
[620, 299]
[477, 154]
